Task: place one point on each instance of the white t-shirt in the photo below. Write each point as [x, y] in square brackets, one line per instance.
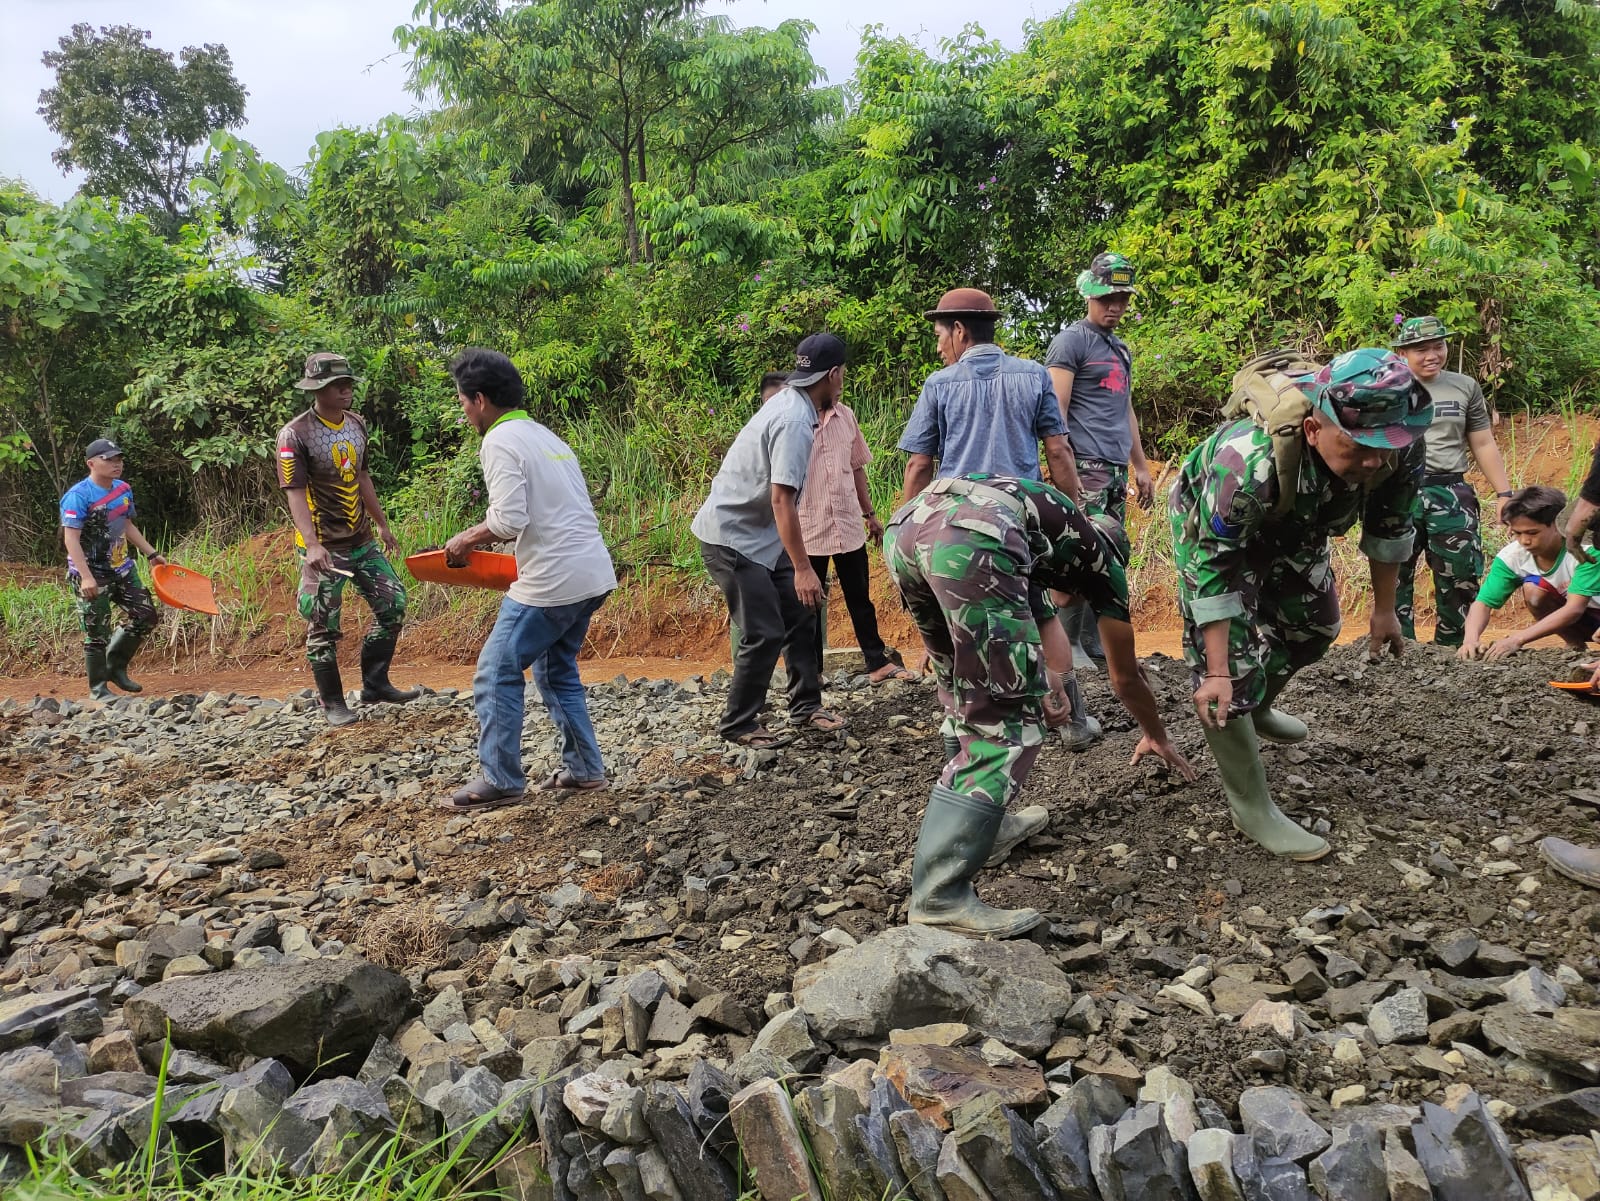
[537, 496]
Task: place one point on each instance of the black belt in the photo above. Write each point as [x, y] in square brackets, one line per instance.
[1443, 477]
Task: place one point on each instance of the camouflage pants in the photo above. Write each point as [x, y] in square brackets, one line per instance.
[1290, 619]
[1103, 491]
[127, 592]
[1447, 533]
[966, 594]
[322, 598]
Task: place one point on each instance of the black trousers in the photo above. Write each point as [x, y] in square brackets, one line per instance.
[855, 579]
[771, 622]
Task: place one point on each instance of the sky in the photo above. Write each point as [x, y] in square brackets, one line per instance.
[309, 65]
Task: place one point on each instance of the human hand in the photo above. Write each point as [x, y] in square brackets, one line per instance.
[1057, 709]
[319, 559]
[1594, 680]
[1165, 750]
[1500, 509]
[88, 587]
[456, 550]
[1504, 648]
[1211, 700]
[807, 587]
[874, 529]
[1384, 634]
[1576, 548]
[390, 542]
[1469, 650]
[1144, 486]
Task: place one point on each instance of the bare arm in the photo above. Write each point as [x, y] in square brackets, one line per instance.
[1554, 624]
[919, 474]
[1384, 629]
[1063, 471]
[1215, 694]
[1486, 454]
[88, 586]
[142, 544]
[1477, 622]
[317, 556]
[380, 522]
[1583, 514]
[1144, 487]
[1061, 380]
[1133, 690]
[864, 499]
[786, 511]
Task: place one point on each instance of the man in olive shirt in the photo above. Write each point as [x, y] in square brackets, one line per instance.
[1447, 507]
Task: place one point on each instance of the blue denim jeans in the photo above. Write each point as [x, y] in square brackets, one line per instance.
[547, 640]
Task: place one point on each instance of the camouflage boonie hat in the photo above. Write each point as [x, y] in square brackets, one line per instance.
[1373, 396]
[1109, 273]
[322, 369]
[1420, 329]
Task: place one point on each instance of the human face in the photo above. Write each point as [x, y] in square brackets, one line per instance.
[105, 469]
[1106, 311]
[476, 410]
[953, 341]
[1352, 462]
[1426, 359]
[337, 396]
[1542, 540]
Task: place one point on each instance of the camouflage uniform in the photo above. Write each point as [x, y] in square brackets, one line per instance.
[321, 598]
[1103, 492]
[972, 557]
[1446, 522]
[124, 590]
[1269, 574]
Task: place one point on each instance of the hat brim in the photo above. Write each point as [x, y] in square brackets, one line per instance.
[796, 380]
[1402, 343]
[1096, 291]
[1396, 436]
[953, 314]
[316, 385]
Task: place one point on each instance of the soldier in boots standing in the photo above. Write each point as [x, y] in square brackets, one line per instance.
[1255, 580]
[322, 469]
[97, 527]
[1446, 512]
[973, 557]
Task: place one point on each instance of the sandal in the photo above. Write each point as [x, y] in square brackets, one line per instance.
[760, 739]
[480, 796]
[890, 671]
[562, 780]
[825, 719]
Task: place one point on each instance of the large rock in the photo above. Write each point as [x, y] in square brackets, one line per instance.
[1138, 1159]
[1465, 1153]
[918, 975]
[353, 1118]
[1002, 1149]
[1278, 1122]
[828, 1113]
[318, 1017]
[937, 1080]
[1062, 1134]
[41, 1016]
[1570, 1113]
[918, 1144]
[1211, 1165]
[1548, 1042]
[771, 1142]
[1352, 1169]
[699, 1171]
[1565, 1170]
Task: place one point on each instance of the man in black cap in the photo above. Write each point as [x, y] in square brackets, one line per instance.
[322, 469]
[97, 526]
[750, 540]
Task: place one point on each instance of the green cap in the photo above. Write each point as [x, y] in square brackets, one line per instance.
[1415, 330]
[1109, 273]
[1373, 396]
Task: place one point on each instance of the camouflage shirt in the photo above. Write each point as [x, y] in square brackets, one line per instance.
[1068, 553]
[1227, 496]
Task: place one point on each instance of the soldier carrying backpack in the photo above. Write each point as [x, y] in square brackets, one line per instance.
[1307, 453]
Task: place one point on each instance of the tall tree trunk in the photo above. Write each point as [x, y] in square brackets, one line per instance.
[630, 219]
[647, 248]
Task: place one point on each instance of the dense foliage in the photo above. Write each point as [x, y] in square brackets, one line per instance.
[646, 207]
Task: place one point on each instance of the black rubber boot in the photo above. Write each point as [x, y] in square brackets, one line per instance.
[1083, 731]
[952, 746]
[376, 655]
[120, 651]
[331, 689]
[95, 661]
[958, 833]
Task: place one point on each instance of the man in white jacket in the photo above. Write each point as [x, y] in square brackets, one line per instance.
[537, 497]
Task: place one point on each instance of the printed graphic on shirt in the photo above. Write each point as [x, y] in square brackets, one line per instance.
[327, 462]
[101, 516]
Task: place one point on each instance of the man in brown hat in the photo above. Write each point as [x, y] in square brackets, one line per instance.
[322, 469]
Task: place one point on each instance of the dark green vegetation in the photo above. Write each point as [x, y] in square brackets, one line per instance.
[646, 207]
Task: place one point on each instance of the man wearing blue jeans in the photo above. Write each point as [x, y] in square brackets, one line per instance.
[537, 497]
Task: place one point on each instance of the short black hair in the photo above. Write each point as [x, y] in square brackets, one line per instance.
[1537, 503]
[492, 374]
[774, 379]
[979, 329]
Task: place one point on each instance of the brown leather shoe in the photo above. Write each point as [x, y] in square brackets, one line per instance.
[1576, 863]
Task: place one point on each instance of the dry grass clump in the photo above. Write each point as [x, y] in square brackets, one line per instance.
[401, 939]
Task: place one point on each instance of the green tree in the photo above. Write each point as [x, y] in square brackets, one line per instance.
[133, 119]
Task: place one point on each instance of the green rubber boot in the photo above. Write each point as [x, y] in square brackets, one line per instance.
[958, 833]
[1244, 780]
[1273, 724]
[99, 673]
[1083, 731]
[120, 651]
[1016, 828]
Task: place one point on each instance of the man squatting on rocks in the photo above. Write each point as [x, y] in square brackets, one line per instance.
[750, 540]
[97, 527]
[988, 411]
[322, 470]
[538, 498]
[1091, 370]
[1447, 506]
[1255, 582]
[972, 557]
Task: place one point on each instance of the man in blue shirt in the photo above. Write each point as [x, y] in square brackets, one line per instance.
[97, 527]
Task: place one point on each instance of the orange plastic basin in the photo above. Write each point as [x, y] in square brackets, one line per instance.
[1573, 686]
[484, 569]
[183, 589]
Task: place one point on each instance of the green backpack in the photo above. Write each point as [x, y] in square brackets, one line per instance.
[1267, 390]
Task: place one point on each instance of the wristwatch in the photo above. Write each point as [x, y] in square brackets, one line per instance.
[1503, 495]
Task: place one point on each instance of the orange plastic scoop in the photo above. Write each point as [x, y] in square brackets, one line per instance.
[484, 569]
[183, 589]
[1573, 686]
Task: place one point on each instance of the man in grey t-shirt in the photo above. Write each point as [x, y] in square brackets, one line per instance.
[750, 541]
